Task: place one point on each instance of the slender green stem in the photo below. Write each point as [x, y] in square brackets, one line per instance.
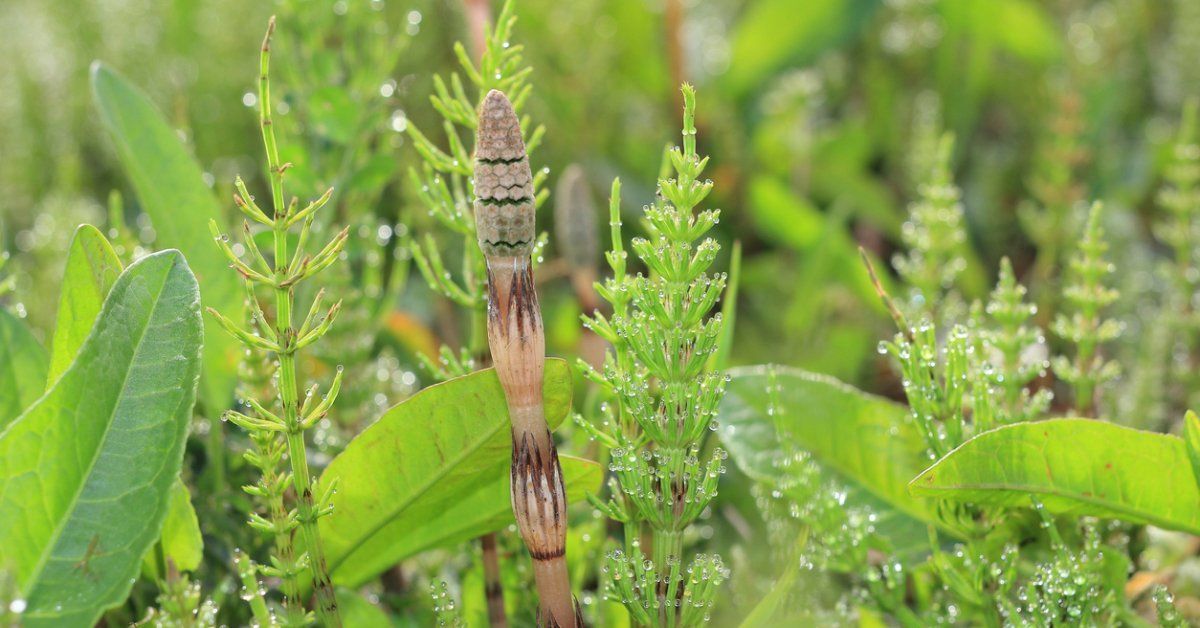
[327, 610]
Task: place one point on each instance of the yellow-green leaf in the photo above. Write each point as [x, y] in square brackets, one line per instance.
[1076, 466]
[1191, 436]
[181, 540]
[432, 471]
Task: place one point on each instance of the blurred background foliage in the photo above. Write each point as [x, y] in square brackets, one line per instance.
[820, 116]
[816, 115]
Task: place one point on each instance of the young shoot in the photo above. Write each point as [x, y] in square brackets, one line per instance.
[504, 215]
[1017, 350]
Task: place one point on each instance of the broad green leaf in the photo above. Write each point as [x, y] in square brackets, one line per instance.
[866, 442]
[92, 269]
[432, 470]
[86, 472]
[170, 186]
[1077, 466]
[22, 368]
[181, 539]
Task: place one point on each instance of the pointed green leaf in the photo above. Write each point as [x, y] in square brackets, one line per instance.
[1077, 466]
[433, 470]
[866, 442]
[22, 368]
[92, 269]
[86, 472]
[170, 186]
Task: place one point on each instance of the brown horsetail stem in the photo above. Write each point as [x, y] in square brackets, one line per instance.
[504, 219]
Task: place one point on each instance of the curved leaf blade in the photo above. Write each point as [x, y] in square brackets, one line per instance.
[428, 459]
[865, 441]
[1077, 466]
[483, 510]
[22, 368]
[170, 186]
[92, 269]
[86, 472]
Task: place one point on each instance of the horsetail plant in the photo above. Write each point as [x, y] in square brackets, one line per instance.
[578, 240]
[283, 339]
[1082, 323]
[444, 184]
[936, 380]
[504, 218]
[1180, 198]
[1055, 186]
[666, 395]
[445, 188]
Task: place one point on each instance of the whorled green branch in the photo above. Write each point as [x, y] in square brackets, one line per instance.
[286, 417]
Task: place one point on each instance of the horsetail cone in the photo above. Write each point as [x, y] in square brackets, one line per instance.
[504, 204]
[504, 218]
[575, 221]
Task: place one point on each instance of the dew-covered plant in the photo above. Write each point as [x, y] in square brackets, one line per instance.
[181, 604]
[665, 395]
[277, 426]
[1076, 585]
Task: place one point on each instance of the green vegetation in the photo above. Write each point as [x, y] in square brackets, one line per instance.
[894, 321]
